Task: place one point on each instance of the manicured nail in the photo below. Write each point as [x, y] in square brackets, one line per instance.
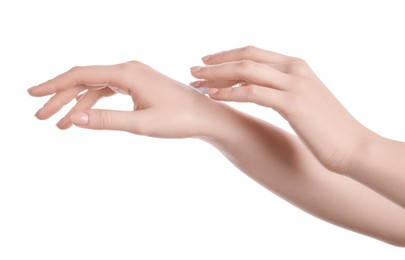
[206, 58]
[196, 68]
[80, 118]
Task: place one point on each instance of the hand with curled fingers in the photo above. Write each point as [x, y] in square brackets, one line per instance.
[163, 107]
[290, 87]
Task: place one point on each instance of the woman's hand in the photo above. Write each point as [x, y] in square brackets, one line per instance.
[289, 86]
[163, 107]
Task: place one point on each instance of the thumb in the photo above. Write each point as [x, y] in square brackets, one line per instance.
[107, 120]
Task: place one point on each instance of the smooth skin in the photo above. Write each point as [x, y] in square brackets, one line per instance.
[335, 138]
[299, 170]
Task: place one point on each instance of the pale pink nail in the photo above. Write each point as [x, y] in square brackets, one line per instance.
[196, 68]
[31, 89]
[80, 119]
[61, 123]
[196, 84]
[206, 58]
[211, 91]
[38, 112]
[207, 90]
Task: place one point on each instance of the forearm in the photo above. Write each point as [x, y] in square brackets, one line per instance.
[279, 162]
[380, 164]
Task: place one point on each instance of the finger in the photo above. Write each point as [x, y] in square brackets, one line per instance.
[87, 101]
[130, 121]
[91, 76]
[214, 83]
[92, 87]
[246, 53]
[244, 71]
[56, 102]
[251, 93]
[286, 67]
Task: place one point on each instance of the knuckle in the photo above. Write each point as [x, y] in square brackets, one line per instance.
[248, 50]
[246, 65]
[56, 103]
[75, 69]
[125, 72]
[75, 74]
[131, 65]
[134, 63]
[297, 60]
[251, 93]
[104, 119]
[243, 68]
[299, 66]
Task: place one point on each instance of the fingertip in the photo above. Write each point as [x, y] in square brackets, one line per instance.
[62, 127]
[40, 114]
[63, 124]
[38, 91]
[209, 91]
[32, 91]
[213, 91]
[215, 96]
[206, 59]
[195, 83]
[196, 69]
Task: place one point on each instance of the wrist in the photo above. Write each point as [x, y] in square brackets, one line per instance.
[219, 122]
[363, 150]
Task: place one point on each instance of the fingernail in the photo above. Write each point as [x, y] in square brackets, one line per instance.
[211, 91]
[80, 119]
[195, 84]
[203, 90]
[196, 68]
[30, 89]
[38, 112]
[206, 58]
[60, 124]
[207, 90]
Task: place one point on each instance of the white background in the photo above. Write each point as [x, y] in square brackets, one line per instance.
[80, 194]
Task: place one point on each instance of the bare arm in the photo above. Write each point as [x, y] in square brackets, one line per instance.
[281, 163]
[269, 155]
[380, 164]
[289, 86]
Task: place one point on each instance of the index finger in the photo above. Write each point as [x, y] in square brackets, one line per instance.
[246, 53]
[91, 76]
